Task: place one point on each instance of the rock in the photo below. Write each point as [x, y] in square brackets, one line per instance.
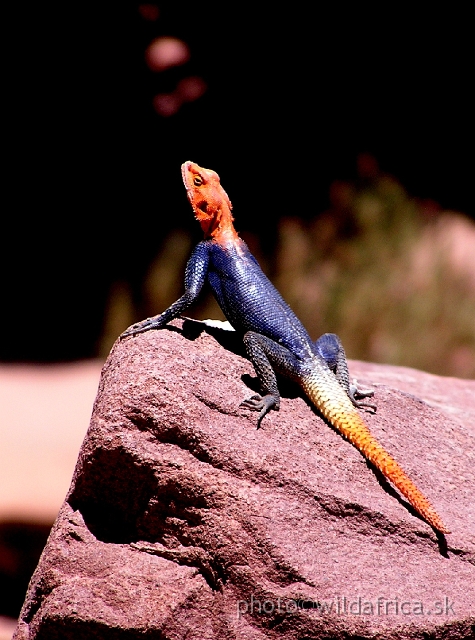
[184, 521]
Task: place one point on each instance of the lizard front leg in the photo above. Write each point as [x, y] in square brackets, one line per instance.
[157, 322]
[330, 348]
[267, 357]
[195, 276]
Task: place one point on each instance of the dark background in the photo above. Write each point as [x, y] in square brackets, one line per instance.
[294, 93]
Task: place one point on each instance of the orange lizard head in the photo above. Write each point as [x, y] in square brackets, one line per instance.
[210, 202]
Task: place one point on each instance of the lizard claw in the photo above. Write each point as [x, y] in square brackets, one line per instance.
[263, 404]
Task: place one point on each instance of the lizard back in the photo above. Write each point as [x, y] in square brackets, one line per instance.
[250, 301]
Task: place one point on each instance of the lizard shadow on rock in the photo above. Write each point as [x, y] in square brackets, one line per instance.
[229, 340]
[232, 341]
[287, 388]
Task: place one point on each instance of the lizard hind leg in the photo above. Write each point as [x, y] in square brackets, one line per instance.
[330, 348]
[267, 357]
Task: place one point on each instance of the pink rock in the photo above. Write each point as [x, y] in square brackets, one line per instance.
[184, 521]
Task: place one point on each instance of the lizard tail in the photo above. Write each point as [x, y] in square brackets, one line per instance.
[332, 401]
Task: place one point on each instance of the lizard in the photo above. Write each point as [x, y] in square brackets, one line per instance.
[274, 338]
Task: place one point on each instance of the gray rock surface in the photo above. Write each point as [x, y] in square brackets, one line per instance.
[184, 521]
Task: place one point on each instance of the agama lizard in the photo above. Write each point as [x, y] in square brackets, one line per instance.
[275, 340]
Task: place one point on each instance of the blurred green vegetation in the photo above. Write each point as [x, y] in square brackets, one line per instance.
[393, 276]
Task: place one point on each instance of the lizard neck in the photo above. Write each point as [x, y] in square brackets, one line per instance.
[219, 227]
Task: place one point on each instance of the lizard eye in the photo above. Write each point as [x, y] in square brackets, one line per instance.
[197, 181]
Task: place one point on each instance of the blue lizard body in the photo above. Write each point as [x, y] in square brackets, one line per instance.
[241, 287]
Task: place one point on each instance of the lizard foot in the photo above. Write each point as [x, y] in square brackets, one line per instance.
[357, 396]
[140, 327]
[263, 404]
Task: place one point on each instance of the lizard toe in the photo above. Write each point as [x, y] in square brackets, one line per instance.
[358, 395]
[263, 404]
[252, 403]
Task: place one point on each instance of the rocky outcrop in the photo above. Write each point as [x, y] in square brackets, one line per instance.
[184, 521]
